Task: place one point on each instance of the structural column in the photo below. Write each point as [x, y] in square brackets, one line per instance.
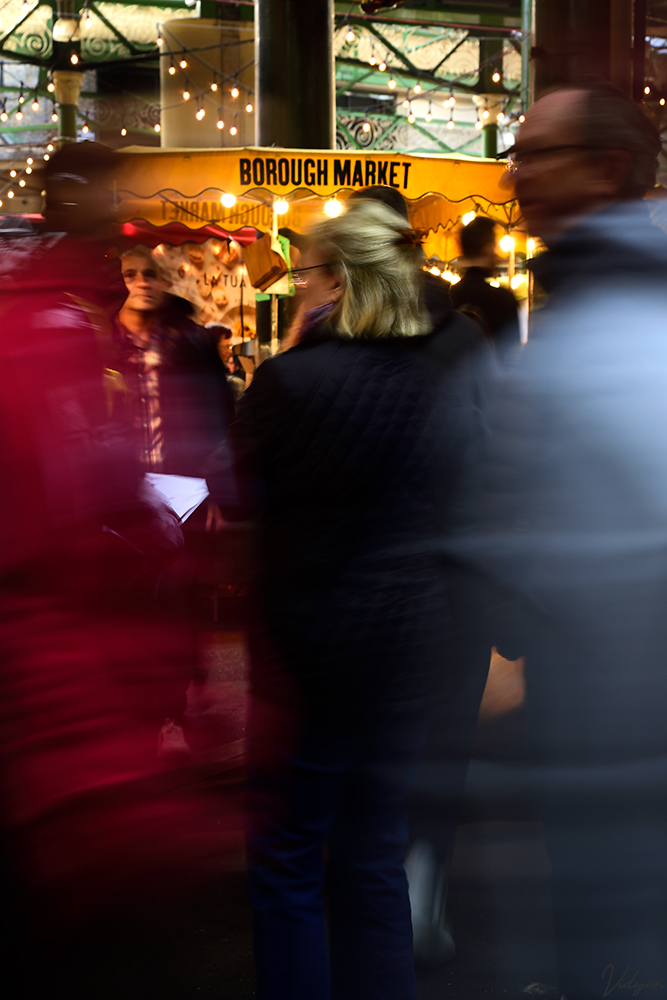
[294, 74]
[67, 85]
[295, 91]
[601, 39]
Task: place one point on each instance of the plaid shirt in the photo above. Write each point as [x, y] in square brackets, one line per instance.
[143, 378]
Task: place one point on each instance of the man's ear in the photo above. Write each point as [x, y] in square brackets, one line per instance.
[613, 168]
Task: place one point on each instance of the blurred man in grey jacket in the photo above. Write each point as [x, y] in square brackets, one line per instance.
[570, 525]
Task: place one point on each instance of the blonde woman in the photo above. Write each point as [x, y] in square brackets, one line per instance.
[351, 446]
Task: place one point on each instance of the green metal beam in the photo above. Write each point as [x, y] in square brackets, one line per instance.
[17, 24]
[119, 34]
[420, 75]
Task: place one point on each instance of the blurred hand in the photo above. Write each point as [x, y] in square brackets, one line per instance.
[215, 522]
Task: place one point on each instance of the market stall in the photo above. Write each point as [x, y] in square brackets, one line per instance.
[229, 194]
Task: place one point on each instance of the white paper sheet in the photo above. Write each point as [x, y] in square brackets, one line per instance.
[182, 493]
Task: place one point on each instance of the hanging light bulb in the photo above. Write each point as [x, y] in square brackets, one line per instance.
[35, 105]
[87, 21]
[507, 243]
[158, 40]
[248, 108]
[382, 67]
[406, 103]
[496, 77]
[662, 101]
[4, 116]
[280, 206]
[54, 115]
[30, 161]
[200, 114]
[85, 130]
[450, 123]
[220, 122]
[22, 183]
[19, 115]
[411, 116]
[50, 147]
[350, 36]
[418, 88]
[10, 193]
[235, 92]
[12, 173]
[372, 61]
[214, 85]
[186, 95]
[50, 86]
[156, 127]
[522, 118]
[74, 59]
[391, 84]
[647, 90]
[485, 113]
[333, 207]
[172, 69]
[478, 123]
[228, 200]
[429, 114]
[366, 127]
[21, 97]
[233, 130]
[123, 131]
[28, 170]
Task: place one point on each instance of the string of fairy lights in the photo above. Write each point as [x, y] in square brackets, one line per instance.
[229, 97]
[483, 116]
[202, 98]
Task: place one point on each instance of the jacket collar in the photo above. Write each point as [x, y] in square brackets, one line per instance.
[618, 239]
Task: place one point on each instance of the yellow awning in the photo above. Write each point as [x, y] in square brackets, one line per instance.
[162, 186]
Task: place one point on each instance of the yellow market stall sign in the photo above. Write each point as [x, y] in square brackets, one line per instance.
[164, 186]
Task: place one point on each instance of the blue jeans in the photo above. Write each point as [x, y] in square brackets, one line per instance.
[341, 789]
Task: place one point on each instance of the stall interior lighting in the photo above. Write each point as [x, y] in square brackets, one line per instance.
[333, 207]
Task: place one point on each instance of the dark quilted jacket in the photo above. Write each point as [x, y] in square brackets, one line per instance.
[354, 451]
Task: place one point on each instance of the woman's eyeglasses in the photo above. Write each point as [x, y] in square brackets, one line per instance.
[297, 273]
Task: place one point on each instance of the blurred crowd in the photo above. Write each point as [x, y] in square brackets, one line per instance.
[422, 488]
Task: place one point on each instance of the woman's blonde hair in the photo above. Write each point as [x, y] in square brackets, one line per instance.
[380, 263]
